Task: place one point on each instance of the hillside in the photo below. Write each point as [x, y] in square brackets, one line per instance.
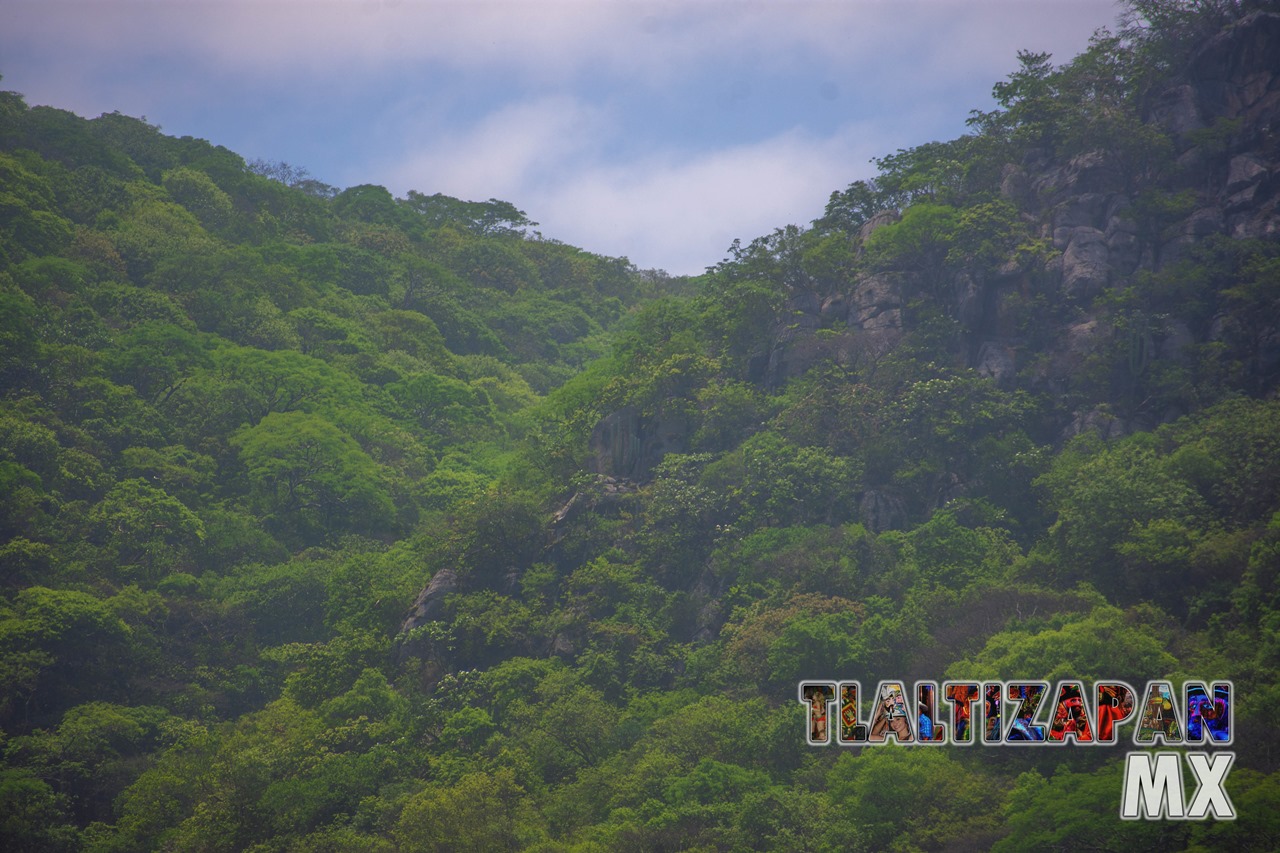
[331, 520]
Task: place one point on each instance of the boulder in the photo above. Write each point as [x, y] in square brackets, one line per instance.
[1086, 269]
[881, 219]
[835, 310]
[1245, 171]
[430, 601]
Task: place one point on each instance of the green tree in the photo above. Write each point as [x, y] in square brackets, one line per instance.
[34, 816]
[197, 192]
[923, 797]
[482, 812]
[441, 404]
[1104, 643]
[94, 753]
[312, 476]
[1078, 809]
[29, 225]
[156, 358]
[144, 531]
[1105, 494]
[60, 648]
[919, 243]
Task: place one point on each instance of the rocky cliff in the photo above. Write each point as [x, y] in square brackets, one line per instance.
[1221, 114]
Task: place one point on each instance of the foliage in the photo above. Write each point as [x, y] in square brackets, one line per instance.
[309, 538]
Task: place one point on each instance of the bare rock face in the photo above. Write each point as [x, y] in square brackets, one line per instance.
[875, 315]
[1223, 115]
[1006, 311]
[1083, 337]
[430, 601]
[1251, 197]
[428, 607]
[881, 511]
[1124, 251]
[706, 595]
[996, 362]
[969, 298]
[1176, 342]
[1236, 77]
[1016, 186]
[881, 219]
[628, 444]
[795, 350]
[1235, 74]
[1086, 209]
[1257, 227]
[1240, 202]
[1200, 224]
[1244, 171]
[876, 304]
[802, 307]
[1176, 110]
[1086, 269]
[834, 310]
[1091, 172]
[1078, 341]
[603, 496]
[1203, 223]
[869, 317]
[1106, 425]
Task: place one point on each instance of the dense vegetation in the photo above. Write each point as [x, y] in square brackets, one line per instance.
[246, 418]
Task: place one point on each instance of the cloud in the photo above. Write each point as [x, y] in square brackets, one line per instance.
[514, 148]
[658, 130]
[682, 213]
[668, 207]
[541, 40]
[329, 36]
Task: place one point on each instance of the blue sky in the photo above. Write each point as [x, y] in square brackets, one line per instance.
[656, 130]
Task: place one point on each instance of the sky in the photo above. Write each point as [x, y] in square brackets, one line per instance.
[659, 131]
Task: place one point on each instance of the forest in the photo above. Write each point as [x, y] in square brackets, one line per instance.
[336, 521]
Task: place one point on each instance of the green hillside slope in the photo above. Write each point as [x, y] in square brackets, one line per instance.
[336, 521]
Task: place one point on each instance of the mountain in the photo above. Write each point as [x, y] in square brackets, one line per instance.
[338, 521]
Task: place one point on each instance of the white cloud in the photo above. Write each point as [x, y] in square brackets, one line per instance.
[552, 81]
[514, 148]
[682, 213]
[669, 208]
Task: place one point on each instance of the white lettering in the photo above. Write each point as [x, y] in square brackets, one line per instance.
[1211, 773]
[1158, 785]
